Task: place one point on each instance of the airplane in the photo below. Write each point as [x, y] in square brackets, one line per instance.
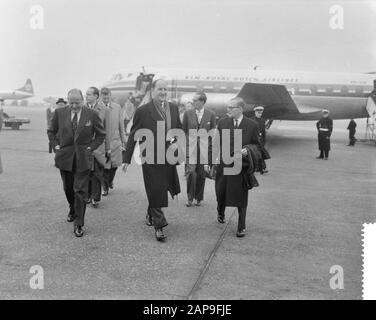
[284, 95]
[24, 92]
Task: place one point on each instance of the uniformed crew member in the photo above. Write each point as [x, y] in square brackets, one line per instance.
[261, 123]
[324, 129]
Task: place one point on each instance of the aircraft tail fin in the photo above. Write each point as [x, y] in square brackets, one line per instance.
[28, 87]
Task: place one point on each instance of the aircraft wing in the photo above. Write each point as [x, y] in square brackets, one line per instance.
[275, 99]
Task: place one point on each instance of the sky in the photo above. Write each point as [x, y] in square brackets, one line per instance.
[84, 42]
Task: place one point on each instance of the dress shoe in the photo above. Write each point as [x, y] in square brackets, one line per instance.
[70, 217]
[95, 203]
[198, 203]
[78, 232]
[88, 200]
[221, 219]
[189, 203]
[105, 193]
[241, 233]
[160, 235]
[326, 158]
[149, 222]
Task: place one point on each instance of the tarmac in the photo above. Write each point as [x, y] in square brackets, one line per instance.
[305, 217]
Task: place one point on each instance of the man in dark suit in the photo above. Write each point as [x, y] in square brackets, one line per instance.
[75, 132]
[230, 189]
[195, 119]
[160, 177]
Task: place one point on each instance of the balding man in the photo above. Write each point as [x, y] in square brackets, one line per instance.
[231, 191]
[75, 132]
[160, 177]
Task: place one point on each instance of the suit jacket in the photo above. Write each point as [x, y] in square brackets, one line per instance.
[100, 152]
[159, 179]
[115, 134]
[190, 121]
[90, 133]
[233, 186]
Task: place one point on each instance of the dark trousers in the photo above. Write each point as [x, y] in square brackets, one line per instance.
[75, 186]
[195, 181]
[324, 153]
[108, 177]
[157, 217]
[352, 138]
[50, 149]
[95, 183]
[242, 214]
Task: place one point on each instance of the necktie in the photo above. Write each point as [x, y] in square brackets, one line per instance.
[74, 122]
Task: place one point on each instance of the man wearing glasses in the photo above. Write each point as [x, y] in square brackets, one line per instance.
[230, 189]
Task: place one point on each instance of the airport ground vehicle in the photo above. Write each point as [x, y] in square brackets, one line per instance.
[14, 122]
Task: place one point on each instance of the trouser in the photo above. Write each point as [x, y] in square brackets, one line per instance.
[50, 149]
[108, 177]
[95, 183]
[352, 138]
[157, 217]
[75, 186]
[324, 153]
[195, 181]
[242, 214]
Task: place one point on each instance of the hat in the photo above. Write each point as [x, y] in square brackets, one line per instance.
[61, 100]
[258, 108]
[325, 111]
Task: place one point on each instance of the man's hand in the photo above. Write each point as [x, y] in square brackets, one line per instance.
[57, 147]
[244, 152]
[124, 167]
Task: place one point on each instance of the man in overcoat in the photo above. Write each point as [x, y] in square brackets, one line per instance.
[324, 131]
[115, 135]
[230, 188]
[160, 176]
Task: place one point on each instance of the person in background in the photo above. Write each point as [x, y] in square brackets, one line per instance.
[182, 109]
[99, 161]
[194, 120]
[115, 136]
[324, 131]
[352, 129]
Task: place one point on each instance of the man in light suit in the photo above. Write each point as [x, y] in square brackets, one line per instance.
[75, 132]
[160, 176]
[195, 119]
[115, 135]
[97, 172]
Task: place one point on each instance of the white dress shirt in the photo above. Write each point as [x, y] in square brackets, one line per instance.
[199, 114]
[239, 120]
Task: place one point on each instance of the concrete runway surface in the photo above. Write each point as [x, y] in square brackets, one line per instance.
[305, 217]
